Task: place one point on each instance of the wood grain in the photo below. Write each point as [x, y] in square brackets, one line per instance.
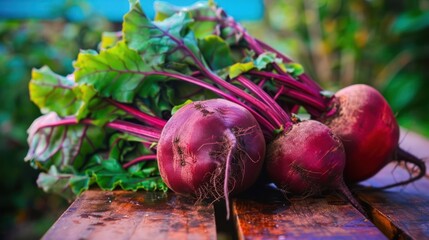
[401, 212]
[268, 215]
[134, 215]
[262, 213]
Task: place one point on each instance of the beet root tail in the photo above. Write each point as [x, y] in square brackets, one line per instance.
[407, 157]
[346, 192]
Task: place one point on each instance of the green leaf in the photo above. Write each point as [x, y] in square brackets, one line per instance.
[177, 107]
[110, 182]
[151, 87]
[216, 52]
[165, 10]
[201, 29]
[52, 92]
[109, 39]
[108, 175]
[122, 144]
[63, 146]
[163, 44]
[262, 61]
[115, 72]
[112, 165]
[137, 30]
[294, 69]
[239, 68]
[200, 12]
[327, 94]
[154, 183]
[278, 131]
[64, 184]
[85, 93]
[94, 107]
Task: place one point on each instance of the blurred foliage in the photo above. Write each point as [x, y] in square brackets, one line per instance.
[378, 42]
[24, 45]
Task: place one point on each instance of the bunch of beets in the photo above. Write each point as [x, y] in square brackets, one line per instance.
[192, 102]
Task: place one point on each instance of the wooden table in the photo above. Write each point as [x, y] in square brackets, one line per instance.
[263, 213]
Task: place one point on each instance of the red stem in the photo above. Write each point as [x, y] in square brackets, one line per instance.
[148, 133]
[136, 129]
[144, 117]
[268, 100]
[139, 159]
[262, 120]
[289, 82]
[304, 99]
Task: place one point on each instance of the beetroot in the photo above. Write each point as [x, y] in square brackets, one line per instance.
[367, 126]
[308, 159]
[210, 149]
[317, 165]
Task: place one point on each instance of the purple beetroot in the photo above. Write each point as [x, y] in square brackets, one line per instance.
[317, 165]
[211, 149]
[367, 126]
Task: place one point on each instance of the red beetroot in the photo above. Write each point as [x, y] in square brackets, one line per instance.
[210, 149]
[368, 129]
[306, 159]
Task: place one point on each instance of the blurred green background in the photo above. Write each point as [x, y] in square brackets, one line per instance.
[377, 42]
[26, 212]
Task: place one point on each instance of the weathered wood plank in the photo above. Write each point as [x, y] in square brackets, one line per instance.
[264, 213]
[134, 215]
[401, 212]
[268, 215]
